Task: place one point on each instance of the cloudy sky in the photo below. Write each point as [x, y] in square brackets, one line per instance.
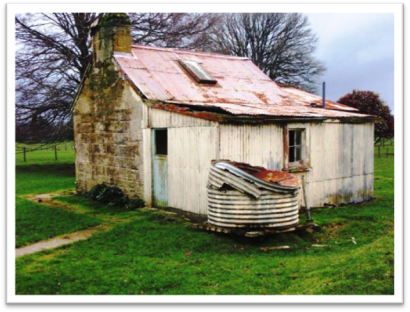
[358, 51]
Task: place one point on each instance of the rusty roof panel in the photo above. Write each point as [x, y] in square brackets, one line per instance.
[286, 111]
[273, 176]
[241, 89]
[306, 98]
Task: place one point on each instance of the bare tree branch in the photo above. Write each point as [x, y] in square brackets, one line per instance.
[53, 53]
[280, 44]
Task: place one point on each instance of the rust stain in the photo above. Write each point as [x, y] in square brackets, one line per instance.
[187, 112]
[285, 145]
[290, 182]
[262, 97]
[242, 88]
[273, 176]
[277, 176]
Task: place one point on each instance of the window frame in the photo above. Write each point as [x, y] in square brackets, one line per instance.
[304, 163]
[297, 136]
[197, 72]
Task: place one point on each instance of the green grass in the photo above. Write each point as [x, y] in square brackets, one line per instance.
[38, 179]
[387, 147]
[45, 155]
[35, 222]
[155, 253]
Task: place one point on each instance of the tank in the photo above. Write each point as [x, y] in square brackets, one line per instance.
[245, 196]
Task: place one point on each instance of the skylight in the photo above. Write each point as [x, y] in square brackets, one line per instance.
[197, 72]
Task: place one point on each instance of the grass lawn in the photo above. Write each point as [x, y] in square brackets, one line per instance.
[35, 222]
[387, 147]
[38, 154]
[157, 253]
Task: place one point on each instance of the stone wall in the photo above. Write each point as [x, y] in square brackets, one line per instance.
[108, 137]
[107, 115]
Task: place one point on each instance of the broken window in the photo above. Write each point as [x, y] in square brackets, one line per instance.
[161, 142]
[197, 72]
[295, 145]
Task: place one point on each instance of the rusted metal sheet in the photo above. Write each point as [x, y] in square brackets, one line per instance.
[306, 98]
[277, 176]
[241, 88]
[238, 198]
[242, 178]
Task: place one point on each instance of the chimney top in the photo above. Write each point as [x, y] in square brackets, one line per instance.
[111, 20]
[111, 32]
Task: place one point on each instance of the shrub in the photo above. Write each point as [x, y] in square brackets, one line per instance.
[113, 196]
[134, 204]
[369, 102]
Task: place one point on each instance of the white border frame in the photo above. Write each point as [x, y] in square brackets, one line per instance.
[396, 9]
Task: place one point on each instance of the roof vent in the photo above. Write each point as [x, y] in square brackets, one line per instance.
[197, 72]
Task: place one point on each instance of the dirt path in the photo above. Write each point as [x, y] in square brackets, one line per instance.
[61, 240]
[69, 238]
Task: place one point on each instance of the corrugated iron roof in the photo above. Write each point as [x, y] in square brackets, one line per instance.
[241, 89]
[306, 98]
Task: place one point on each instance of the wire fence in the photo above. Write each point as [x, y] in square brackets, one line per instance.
[384, 148]
[54, 149]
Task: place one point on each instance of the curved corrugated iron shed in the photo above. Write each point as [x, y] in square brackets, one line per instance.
[244, 196]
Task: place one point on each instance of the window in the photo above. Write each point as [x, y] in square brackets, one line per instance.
[161, 142]
[295, 145]
[296, 148]
[197, 72]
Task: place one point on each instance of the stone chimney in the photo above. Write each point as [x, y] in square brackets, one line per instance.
[110, 33]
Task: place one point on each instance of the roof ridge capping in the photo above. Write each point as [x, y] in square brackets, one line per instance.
[181, 51]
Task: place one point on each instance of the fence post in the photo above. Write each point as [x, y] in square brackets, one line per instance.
[55, 151]
[24, 151]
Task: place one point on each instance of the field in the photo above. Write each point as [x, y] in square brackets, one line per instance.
[37, 154]
[384, 149]
[153, 252]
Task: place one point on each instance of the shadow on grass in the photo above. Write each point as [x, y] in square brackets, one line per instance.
[55, 169]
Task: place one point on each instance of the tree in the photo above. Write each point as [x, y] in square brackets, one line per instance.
[280, 44]
[172, 30]
[53, 53]
[369, 102]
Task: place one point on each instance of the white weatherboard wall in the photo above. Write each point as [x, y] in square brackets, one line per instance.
[340, 154]
[342, 157]
[191, 147]
[190, 151]
[258, 145]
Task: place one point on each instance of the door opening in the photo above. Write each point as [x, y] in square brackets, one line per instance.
[160, 167]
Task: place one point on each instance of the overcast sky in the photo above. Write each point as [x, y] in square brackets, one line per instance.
[358, 51]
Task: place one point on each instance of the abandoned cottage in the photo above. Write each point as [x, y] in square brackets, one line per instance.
[150, 120]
